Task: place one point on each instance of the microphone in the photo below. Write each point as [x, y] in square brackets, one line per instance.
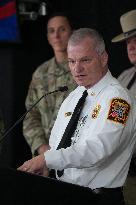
[60, 89]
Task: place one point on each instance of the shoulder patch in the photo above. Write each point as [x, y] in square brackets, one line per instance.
[119, 109]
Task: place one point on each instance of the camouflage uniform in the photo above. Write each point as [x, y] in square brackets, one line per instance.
[39, 121]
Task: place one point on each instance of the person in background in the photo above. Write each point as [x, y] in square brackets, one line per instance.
[128, 79]
[48, 77]
[128, 24]
[94, 154]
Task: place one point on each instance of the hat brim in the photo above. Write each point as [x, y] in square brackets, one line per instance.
[122, 37]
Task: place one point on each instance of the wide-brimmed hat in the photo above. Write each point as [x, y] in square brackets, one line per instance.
[128, 24]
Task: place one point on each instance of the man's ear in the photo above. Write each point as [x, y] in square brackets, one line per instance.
[104, 57]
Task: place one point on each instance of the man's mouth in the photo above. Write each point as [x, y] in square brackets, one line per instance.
[80, 76]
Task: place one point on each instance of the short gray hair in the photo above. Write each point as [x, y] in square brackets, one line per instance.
[79, 34]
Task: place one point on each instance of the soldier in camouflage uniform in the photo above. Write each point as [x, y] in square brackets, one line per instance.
[48, 77]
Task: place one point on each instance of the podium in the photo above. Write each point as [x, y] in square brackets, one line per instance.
[20, 188]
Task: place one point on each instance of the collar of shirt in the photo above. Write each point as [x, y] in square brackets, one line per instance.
[104, 82]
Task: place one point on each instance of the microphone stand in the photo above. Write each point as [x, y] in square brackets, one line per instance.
[60, 89]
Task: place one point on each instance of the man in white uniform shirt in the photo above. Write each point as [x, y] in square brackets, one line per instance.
[104, 139]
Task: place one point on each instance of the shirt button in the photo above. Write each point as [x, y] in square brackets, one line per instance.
[92, 94]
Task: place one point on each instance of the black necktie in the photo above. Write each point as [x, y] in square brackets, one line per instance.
[131, 81]
[66, 138]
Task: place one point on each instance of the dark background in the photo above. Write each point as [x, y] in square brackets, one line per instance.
[19, 60]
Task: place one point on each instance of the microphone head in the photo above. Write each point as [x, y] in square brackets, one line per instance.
[63, 88]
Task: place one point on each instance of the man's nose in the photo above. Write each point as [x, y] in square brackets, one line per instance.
[78, 66]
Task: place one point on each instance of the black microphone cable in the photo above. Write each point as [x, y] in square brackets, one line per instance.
[60, 89]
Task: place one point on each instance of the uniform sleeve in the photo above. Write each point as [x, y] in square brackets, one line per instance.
[32, 125]
[122, 76]
[110, 135]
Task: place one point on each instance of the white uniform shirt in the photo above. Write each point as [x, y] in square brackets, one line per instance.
[101, 148]
[126, 76]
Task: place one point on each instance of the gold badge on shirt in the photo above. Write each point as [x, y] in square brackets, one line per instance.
[96, 111]
[119, 109]
[68, 114]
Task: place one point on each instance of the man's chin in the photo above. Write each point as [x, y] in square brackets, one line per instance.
[81, 84]
[132, 59]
